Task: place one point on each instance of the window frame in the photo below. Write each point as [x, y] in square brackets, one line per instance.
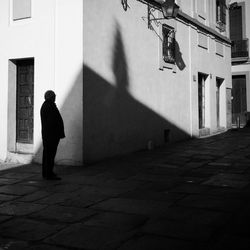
[170, 24]
[221, 13]
[19, 21]
[168, 44]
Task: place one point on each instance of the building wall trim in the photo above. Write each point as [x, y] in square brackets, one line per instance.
[200, 26]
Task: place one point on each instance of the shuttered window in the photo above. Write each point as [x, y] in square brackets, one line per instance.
[168, 45]
[236, 23]
[221, 11]
[21, 9]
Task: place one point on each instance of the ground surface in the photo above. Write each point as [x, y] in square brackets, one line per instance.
[190, 195]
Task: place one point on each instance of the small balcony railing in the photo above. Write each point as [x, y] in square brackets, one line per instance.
[240, 48]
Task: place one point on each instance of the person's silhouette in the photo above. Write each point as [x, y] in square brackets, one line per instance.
[52, 132]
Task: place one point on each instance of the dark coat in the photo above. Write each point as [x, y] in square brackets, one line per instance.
[52, 122]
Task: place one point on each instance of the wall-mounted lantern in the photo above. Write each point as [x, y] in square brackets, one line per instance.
[169, 8]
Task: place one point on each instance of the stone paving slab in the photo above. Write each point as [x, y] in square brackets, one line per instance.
[211, 202]
[138, 194]
[194, 164]
[16, 189]
[4, 181]
[230, 193]
[144, 207]
[228, 180]
[230, 242]
[87, 237]
[190, 188]
[179, 230]
[55, 198]
[149, 242]
[62, 188]
[16, 175]
[19, 208]
[82, 199]
[105, 191]
[27, 229]
[240, 222]
[13, 244]
[151, 177]
[160, 186]
[7, 197]
[120, 221]
[63, 214]
[44, 247]
[36, 196]
[192, 195]
[4, 218]
[194, 215]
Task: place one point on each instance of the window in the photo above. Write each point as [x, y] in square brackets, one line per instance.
[203, 103]
[201, 10]
[236, 31]
[201, 100]
[168, 44]
[21, 9]
[221, 12]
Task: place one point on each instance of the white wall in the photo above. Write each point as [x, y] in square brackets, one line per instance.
[171, 95]
[53, 36]
[126, 101]
[160, 94]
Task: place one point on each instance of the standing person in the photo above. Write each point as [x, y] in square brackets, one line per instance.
[52, 132]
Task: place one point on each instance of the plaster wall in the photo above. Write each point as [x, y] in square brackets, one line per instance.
[172, 95]
[163, 93]
[206, 61]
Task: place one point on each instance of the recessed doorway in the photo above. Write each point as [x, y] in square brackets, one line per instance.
[21, 105]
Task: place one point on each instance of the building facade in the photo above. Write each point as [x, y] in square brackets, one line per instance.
[41, 48]
[239, 34]
[125, 77]
[151, 82]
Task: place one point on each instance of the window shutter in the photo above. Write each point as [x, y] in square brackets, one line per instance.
[221, 11]
[168, 44]
[236, 24]
[21, 9]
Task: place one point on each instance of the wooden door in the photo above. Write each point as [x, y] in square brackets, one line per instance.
[201, 100]
[25, 101]
[239, 103]
[218, 101]
[218, 105]
[229, 107]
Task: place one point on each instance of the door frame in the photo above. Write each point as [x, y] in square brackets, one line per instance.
[12, 145]
[218, 97]
[247, 96]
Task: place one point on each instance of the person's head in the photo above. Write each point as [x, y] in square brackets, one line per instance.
[50, 96]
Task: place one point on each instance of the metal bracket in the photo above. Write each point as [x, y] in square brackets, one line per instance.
[152, 18]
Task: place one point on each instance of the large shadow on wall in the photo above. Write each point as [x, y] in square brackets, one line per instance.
[113, 121]
[70, 148]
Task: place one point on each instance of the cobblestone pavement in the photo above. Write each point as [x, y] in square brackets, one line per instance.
[189, 195]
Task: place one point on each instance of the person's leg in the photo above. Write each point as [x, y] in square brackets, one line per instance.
[53, 150]
[49, 153]
[45, 160]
